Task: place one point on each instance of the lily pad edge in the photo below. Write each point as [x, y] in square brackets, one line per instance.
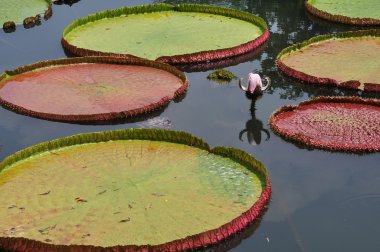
[204, 239]
[202, 56]
[298, 75]
[95, 117]
[304, 141]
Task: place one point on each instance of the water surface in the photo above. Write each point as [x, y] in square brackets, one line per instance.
[321, 201]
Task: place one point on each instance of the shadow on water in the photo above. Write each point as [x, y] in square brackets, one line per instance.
[236, 239]
[68, 2]
[323, 22]
[132, 119]
[254, 127]
[211, 65]
[315, 90]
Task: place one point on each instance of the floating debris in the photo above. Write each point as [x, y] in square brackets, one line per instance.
[221, 76]
[157, 123]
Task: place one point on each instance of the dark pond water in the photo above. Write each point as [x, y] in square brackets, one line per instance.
[321, 201]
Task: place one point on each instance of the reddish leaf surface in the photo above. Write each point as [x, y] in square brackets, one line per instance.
[335, 125]
[90, 90]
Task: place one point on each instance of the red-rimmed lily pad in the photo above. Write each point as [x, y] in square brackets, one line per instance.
[166, 33]
[334, 123]
[128, 190]
[355, 12]
[90, 89]
[349, 59]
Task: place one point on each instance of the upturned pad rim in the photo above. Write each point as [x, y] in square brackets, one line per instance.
[340, 18]
[304, 141]
[92, 118]
[204, 239]
[299, 75]
[202, 56]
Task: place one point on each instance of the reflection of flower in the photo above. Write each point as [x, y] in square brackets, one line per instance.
[68, 2]
[253, 127]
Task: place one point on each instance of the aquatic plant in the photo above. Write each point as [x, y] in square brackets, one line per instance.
[68, 2]
[100, 191]
[28, 13]
[348, 124]
[179, 34]
[358, 12]
[347, 59]
[90, 89]
[221, 76]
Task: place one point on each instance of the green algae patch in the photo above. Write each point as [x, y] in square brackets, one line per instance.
[350, 59]
[358, 12]
[17, 10]
[162, 30]
[130, 188]
[221, 76]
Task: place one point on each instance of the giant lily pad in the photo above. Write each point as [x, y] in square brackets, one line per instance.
[127, 190]
[90, 89]
[349, 59]
[340, 124]
[167, 33]
[357, 12]
[17, 10]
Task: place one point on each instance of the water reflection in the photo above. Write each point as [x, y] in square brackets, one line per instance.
[313, 90]
[68, 2]
[254, 127]
[236, 239]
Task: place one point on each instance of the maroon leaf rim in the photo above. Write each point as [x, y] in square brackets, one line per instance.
[93, 118]
[299, 75]
[305, 141]
[341, 18]
[197, 241]
[203, 56]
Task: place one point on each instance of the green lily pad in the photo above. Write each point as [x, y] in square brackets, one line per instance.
[359, 12]
[348, 59]
[131, 188]
[17, 10]
[162, 30]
